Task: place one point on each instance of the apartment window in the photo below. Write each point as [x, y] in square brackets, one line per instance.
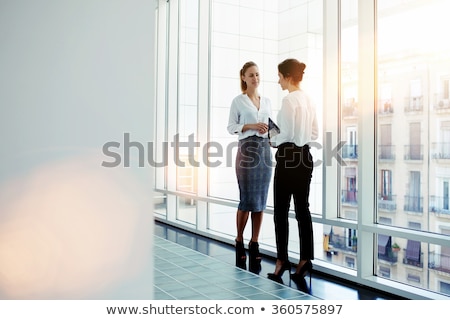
[415, 98]
[413, 278]
[350, 262]
[444, 145]
[444, 287]
[349, 194]
[386, 184]
[413, 253]
[386, 148]
[385, 272]
[385, 221]
[445, 195]
[385, 99]
[414, 149]
[445, 88]
[443, 100]
[351, 150]
[414, 225]
[352, 239]
[384, 244]
[413, 201]
[445, 259]
[444, 256]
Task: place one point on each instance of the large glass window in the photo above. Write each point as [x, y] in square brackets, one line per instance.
[412, 80]
[380, 192]
[264, 35]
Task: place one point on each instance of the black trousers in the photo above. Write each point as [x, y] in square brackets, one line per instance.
[293, 173]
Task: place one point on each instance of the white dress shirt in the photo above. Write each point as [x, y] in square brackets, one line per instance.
[297, 120]
[243, 111]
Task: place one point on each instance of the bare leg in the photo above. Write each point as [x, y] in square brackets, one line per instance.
[253, 246]
[301, 263]
[257, 218]
[241, 222]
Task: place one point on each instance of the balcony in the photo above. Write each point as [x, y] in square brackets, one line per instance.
[387, 203]
[413, 104]
[391, 256]
[439, 262]
[414, 263]
[413, 152]
[350, 152]
[413, 204]
[442, 105]
[440, 151]
[341, 243]
[349, 197]
[386, 152]
[385, 108]
[440, 205]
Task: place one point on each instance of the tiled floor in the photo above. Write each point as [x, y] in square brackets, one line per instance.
[189, 266]
[185, 274]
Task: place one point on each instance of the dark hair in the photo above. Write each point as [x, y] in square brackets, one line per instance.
[292, 68]
[242, 72]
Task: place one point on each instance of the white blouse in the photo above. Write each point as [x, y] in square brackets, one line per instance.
[243, 111]
[297, 120]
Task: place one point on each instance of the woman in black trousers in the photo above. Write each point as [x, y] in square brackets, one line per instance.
[298, 125]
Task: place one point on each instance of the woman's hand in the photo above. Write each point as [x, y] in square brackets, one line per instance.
[261, 127]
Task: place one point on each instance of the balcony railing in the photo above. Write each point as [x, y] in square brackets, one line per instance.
[440, 205]
[385, 108]
[390, 256]
[387, 202]
[386, 152]
[440, 151]
[413, 152]
[439, 262]
[442, 104]
[414, 263]
[350, 151]
[413, 104]
[413, 204]
[338, 242]
[349, 197]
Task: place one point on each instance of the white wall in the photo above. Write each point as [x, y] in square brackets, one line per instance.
[73, 76]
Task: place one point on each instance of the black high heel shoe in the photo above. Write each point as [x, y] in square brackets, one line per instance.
[277, 276]
[241, 257]
[299, 278]
[254, 264]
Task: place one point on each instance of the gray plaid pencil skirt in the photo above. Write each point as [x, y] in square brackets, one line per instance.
[253, 171]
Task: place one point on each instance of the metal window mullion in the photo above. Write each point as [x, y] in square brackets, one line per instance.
[331, 114]
[172, 105]
[367, 133]
[203, 112]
